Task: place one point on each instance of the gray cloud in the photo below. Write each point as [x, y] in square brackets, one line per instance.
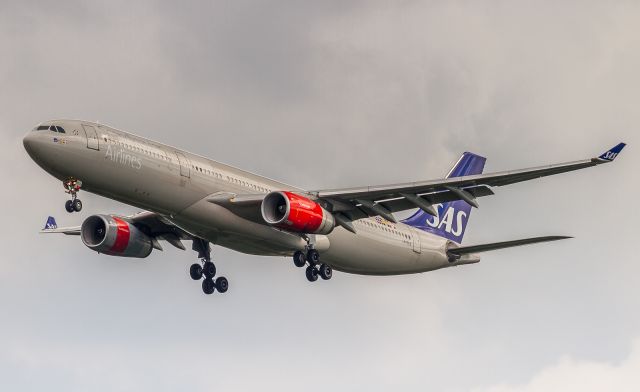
[322, 95]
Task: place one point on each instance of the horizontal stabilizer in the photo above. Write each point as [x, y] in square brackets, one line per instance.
[502, 245]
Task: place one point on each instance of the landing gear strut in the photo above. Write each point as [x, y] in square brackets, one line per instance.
[315, 268]
[72, 187]
[206, 269]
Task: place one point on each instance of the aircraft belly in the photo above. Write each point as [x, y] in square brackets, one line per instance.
[375, 254]
[222, 227]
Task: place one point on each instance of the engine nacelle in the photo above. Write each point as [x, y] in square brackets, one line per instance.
[293, 212]
[114, 236]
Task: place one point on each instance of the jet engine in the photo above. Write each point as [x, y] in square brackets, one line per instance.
[114, 236]
[293, 212]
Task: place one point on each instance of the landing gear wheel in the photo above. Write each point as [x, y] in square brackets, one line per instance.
[222, 284]
[298, 259]
[196, 272]
[312, 273]
[326, 271]
[72, 187]
[313, 256]
[208, 287]
[209, 270]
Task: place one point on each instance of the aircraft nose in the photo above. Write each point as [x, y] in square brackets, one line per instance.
[34, 144]
[29, 141]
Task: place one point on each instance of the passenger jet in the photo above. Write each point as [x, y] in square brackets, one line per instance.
[186, 197]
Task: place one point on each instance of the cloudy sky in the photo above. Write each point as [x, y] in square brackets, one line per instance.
[321, 95]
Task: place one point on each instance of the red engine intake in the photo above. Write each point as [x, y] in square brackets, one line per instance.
[293, 212]
[114, 236]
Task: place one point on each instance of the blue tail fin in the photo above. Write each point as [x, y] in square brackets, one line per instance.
[51, 224]
[610, 155]
[453, 216]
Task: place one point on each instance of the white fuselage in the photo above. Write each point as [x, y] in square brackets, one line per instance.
[176, 184]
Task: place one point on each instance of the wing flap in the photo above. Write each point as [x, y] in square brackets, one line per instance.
[433, 198]
[157, 225]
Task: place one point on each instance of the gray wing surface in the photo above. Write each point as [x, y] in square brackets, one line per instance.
[360, 202]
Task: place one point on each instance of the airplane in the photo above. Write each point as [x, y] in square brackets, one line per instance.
[187, 197]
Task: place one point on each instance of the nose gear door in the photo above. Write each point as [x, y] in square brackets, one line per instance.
[92, 137]
[185, 170]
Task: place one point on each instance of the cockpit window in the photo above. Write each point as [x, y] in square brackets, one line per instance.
[42, 128]
[60, 129]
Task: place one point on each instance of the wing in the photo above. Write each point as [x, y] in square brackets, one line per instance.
[75, 230]
[360, 202]
[159, 227]
[154, 225]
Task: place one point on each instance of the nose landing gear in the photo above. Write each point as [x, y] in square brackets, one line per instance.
[207, 269]
[72, 187]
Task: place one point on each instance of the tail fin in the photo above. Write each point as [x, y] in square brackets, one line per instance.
[51, 224]
[451, 220]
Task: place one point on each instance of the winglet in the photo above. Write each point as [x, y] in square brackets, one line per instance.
[610, 155]
[51, 224]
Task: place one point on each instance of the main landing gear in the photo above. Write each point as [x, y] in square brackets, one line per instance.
[315, 269]
[207, 269]
[72, 187]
